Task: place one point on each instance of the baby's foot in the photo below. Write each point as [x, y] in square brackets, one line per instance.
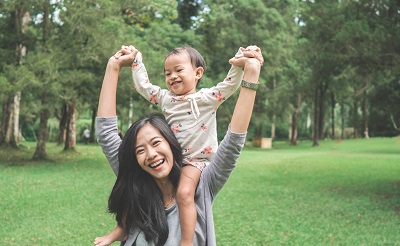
[102, 241]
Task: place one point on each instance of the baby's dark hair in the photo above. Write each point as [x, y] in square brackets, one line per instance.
[195, 57]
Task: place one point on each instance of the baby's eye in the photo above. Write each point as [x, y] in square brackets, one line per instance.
[179, 70]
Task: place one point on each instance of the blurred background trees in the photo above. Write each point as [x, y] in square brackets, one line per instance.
[332, 68]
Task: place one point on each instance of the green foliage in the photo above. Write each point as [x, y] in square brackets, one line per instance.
[346, 47]
[188, 10]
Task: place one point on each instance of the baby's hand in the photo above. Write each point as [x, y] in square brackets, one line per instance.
[125, 50]
[254, 51]
[246, 53]
[125, 56]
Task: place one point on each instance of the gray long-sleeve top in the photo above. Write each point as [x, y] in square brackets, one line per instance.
[212, 179]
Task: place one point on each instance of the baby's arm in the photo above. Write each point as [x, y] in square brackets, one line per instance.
[150, 92]
[233, 80]
[118, 234]
[234, 77]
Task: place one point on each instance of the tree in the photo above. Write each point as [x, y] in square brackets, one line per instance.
[188, 10]
[14, 23]
[241, 23]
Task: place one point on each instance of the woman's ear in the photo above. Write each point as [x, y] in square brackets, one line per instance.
[199, 73]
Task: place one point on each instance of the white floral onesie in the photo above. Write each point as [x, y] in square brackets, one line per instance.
[192, 117]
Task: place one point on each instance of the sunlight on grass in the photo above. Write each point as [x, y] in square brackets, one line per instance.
[341, 193]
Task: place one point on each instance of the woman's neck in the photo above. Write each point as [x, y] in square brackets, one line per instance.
[167, 190]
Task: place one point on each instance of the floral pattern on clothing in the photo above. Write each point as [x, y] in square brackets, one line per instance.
[153, 98]
[207, 150]
[218, 96]
[175, 128]
[198, 165]
[179, 98]
[189, 159]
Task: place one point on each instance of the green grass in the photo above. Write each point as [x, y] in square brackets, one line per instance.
[341, 193]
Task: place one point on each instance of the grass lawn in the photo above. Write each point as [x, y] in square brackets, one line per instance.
[341, 193]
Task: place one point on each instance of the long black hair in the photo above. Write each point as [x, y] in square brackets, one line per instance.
[135, 198]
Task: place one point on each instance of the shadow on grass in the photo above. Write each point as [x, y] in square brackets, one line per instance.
[23, 156]
[384, 194]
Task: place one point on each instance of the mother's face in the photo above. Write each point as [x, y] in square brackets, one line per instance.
[153, 152]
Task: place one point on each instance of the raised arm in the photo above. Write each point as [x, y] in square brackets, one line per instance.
[244, 105]
[106, 121]
[108, 93]
[224, 161]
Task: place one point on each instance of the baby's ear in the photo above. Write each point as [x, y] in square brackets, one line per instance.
[199, 73]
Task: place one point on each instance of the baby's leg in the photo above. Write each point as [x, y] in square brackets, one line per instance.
[187, 209]
[118, 234]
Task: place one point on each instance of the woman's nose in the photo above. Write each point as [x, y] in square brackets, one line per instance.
[152, 153]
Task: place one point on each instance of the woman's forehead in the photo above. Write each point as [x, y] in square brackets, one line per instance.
[147, 133]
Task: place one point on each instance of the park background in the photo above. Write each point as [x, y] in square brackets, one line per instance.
[331, 76]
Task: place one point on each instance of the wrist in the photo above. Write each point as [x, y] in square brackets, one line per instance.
[252, 64]
[113, 65]
[250, 85]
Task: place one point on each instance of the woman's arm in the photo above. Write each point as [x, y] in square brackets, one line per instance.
[244, 105]
[108, 94]
[106, 121]
[224, 161]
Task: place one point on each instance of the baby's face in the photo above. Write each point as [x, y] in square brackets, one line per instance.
[180, 75]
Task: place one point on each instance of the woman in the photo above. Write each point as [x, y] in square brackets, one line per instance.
[148, 163]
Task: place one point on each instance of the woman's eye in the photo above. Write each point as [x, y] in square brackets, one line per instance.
[139, 151]
[156, 142]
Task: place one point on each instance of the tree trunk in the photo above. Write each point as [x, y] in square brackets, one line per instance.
[316, 117]
[364, 115]
[293, 129]
[273, 115]
[355, 117]
[333, 115]
[21, 52]
[342, 118]
[92, 127]
[5, 121]
[10, 121]
[321, 113]
[70, 141]
[295, 115]
[273, 127]
[63, 124]
[14, 140]
[40, 152]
